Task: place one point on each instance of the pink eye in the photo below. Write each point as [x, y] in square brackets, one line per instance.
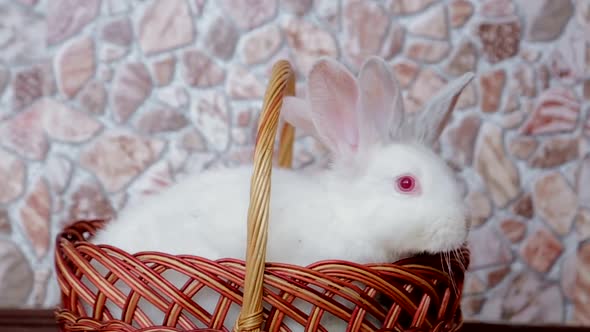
[407, 184]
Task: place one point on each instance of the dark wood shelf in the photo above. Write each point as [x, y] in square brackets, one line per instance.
[43, 321]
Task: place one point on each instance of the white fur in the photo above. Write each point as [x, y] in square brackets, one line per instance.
[350, 212]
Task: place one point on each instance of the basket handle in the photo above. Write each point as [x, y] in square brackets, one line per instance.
[282, 82]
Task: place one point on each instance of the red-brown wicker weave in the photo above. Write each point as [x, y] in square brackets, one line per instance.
[422, 295]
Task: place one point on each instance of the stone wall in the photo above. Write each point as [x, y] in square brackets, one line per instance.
[106, 101]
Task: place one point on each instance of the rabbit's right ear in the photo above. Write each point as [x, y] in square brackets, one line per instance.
[333, 94]
[432, 120]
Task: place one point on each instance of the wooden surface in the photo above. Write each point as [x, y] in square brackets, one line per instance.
[43, 321]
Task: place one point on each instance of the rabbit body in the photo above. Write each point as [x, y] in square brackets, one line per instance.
[385, 196]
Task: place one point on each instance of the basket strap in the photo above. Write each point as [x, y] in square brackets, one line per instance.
[282, 82]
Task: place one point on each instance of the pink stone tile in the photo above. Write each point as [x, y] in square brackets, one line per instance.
[491, 87]
[93, 98]
[488, 248]
[472, 305]
[242, 84]
[248, 15]
[522, 147]
[582, 13]
[65, 124]
[555, 202]
[221, 37]
[468, 98]
[547, 19]
[427, 51]
[513, 230]
[24, 134]
[405, 71]
[116, 158]
[118, 31]
[556, 151]
[163, 70]
[524, 206]
[427, 83]
[307, 42]
[259, 45]
[569, 60]
[582, 288]
[31, 83]
[497, 275]
[582, 225]
[165, 25]
[556, 110]
[4, 78]
[460, 12]
[567, 276]
[75, 66]
[59, 171]
[512, 120]
[500, 40]
[193, 141]
[365, 24]
[497, 170]
[298, 7]
[394, 41]
[497, 8]
[66, 18]
[16, 276]
[463, 59]
[200, 70]
[212, 118]
[432, 23]
[35, 217]
[328, 12]
[132, 86]
[29, 2]
[545, 307]
[88, 201]
[404, 7]
[530, 55]
[583, 178]
[110, 53]
[541, 250]
[174, 96]
[462, 139]
[40, 284]
[5, 226]
[473, 284]
[479, 207]
[12, 177]
[513, 102]
[159, 119]
[525, 81]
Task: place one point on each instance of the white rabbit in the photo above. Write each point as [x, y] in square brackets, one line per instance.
[387, 195]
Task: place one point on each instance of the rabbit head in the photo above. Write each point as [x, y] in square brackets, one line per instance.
[383, 156]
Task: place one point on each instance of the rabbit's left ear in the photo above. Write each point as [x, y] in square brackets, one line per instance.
[382, 110]
[430, 122]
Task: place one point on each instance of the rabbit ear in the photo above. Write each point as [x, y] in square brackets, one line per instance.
[429, 124]
[333, 95]
[297, 112]
[381, 103]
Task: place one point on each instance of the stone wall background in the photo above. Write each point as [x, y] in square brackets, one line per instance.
[105, 101]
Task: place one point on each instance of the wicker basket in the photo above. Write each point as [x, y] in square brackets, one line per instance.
[421, 295]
